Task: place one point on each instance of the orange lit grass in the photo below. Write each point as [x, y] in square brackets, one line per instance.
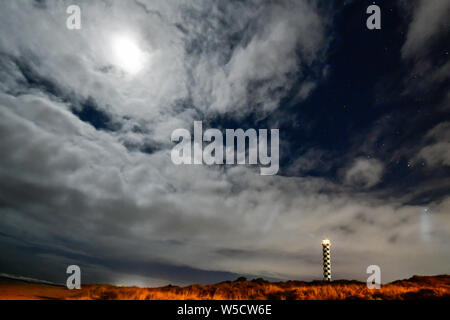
[415, 288]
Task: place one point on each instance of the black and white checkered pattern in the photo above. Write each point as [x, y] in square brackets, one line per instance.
[326, 262]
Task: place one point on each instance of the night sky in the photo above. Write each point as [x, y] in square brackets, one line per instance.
[86, 176]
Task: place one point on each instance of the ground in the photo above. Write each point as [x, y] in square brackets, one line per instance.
[417, 287]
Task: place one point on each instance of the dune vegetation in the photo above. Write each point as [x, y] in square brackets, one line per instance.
[417, 287]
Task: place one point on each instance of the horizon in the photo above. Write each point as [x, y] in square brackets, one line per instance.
[239, 279]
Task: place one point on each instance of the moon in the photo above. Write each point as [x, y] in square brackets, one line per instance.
[127, 54]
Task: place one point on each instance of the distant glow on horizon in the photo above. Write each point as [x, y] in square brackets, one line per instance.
[127, 54]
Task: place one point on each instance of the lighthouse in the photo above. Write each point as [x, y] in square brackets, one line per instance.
[326, 244]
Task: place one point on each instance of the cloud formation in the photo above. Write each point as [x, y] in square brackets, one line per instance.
[364, 173]
[86, 176]
[437, 153]
[429, 21]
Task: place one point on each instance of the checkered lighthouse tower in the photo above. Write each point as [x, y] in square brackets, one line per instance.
[326, 244]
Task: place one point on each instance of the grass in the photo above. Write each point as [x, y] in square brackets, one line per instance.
[417, 287]
[414, 288]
